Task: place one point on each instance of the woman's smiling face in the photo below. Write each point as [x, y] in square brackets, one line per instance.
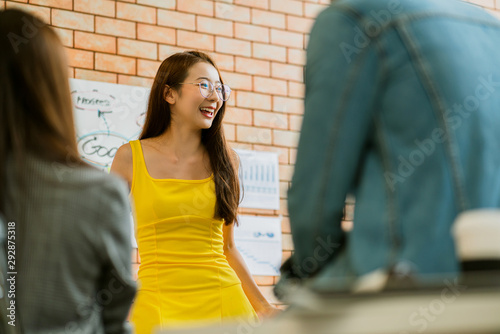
[190, 106]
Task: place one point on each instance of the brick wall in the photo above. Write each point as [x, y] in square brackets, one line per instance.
[258, 45]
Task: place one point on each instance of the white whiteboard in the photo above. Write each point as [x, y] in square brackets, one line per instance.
[258, 239]
[106, 116]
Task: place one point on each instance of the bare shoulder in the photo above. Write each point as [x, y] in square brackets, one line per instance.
[123, 163]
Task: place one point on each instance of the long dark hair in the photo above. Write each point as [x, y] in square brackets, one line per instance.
[223, 160]
[36, 115]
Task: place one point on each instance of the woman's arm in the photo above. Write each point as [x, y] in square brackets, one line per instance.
[123, 163]
[252, 291]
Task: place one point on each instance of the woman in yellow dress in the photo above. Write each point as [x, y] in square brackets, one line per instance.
[184, 183]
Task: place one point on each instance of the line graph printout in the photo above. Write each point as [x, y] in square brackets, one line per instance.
[258, 239]
[106, 116]
[259, 178]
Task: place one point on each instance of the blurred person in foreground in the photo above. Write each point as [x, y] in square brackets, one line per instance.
[401, 111]
[71, 236]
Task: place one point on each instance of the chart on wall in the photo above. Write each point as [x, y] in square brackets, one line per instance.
[106, 116]
[259, 179]
[258, 240]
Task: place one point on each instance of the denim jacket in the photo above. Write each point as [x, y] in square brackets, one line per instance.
[402, 110]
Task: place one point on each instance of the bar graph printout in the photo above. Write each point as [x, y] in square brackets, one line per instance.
[259, 178]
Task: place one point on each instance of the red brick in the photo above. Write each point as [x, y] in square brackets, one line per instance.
[95, 42]
[167, 4]
[293, 156]
[287, 38]
[238, 116]
[296, 56]
[251, 32]
[286, 174]
[312, 10]
[168, 50]
[253, 66]
[223, 62]
[174, 19]
[270, 52]
[99, 7]
[252, 134]
[263, 280]
[286, 71]
[288, 105]
[114, 27]
[237, 81]
[295, 122]
[214, 26]
[134, 81]
[289, 7]
[229, 131]
[232, 100]
[202, 7]
[232, 12]
[299, 24]
[287, 242]
[232, 46]
[95, 75]
[285, 225]
[283, 211]
[152, 33]
[262, 4]
[79, 58]
[42, 13]
[284, 185]
[285, 255]
[147, 68]
[195, 40]
[72, 20]
[296, 89]
[273, 120]
[270, 86]
[71, 72]
[135, 12]
[139, 49]
[264, 212]
[112, 63]
[285, 138]
[253, 100]
[65, 35]
[282, 152]
[268, 19]
[64, 4]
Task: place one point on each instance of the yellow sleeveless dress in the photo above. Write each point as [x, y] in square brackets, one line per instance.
[184, 276]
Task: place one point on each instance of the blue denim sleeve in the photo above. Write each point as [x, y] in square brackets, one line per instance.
[342, 76]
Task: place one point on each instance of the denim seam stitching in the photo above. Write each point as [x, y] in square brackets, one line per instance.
[439, 108]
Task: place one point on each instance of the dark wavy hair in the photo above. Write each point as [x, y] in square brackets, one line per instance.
[223, 160]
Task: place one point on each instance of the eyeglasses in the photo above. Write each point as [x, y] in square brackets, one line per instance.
[207, 89]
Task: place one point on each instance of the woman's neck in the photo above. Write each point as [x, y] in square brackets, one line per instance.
[181, 143]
